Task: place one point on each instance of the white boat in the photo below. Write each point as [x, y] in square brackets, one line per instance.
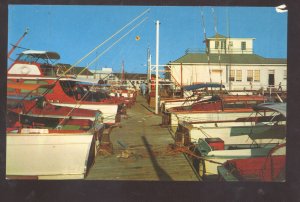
[215, 151]
[218, 108]
[109, 111]
[232, 132]
[45, 154]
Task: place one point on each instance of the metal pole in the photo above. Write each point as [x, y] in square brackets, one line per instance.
[157, 54]
[150, 73]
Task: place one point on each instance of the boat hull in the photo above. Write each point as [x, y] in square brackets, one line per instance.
[109, 111]
[233, 132]
[48, 156]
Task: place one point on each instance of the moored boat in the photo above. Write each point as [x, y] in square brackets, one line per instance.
[270, 168]
[221, 108]
[215, 151]
[40, 150]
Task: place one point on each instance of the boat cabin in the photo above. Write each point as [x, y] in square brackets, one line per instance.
[35, 63]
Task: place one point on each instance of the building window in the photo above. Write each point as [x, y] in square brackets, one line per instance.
[243, 45]
[250, 75]
[238, 75]
[216, 44]
[231, 75]
[223, 45]
[230, 43]
[257, 75]
[285, 74]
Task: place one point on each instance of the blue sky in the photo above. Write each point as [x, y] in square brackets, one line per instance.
[73, 31]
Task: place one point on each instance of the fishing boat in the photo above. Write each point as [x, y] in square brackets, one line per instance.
[35, 106]
[214, 151]
[222, 108]
[33, 67]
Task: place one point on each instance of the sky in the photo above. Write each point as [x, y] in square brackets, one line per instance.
[73, 31]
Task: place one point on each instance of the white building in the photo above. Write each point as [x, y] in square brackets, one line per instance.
[229, 61]
[104, 74]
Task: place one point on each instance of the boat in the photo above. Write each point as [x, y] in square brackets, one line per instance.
[39, 150]
[269, 168]
[214, 151]
[222, 108]
[33, 67]
[257, 127]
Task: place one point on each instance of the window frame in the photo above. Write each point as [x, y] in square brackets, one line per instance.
[250, 77]
[254, 75]
[238, 77]
[243, 45]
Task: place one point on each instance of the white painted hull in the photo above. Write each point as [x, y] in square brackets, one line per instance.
[109, 111]
[238, 132]
[48, 156]
[209, 116]
[62, 117]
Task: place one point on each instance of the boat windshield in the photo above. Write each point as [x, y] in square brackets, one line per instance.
[33, 59]
[203, 147]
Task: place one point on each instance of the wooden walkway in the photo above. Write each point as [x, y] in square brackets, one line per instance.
[141, 151]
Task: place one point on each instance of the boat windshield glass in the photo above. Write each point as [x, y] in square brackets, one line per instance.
[203, 147]
[33, 59]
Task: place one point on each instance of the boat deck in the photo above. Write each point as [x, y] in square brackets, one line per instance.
[141, 151]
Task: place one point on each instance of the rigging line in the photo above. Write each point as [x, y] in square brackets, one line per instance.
[113, 45]
[107, 40]
[78, 103]
[64, 73]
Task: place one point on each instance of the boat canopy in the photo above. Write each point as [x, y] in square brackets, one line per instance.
[203, 85]
[278, 107]
[42, 54]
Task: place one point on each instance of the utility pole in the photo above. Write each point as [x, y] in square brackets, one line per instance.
[157, 55]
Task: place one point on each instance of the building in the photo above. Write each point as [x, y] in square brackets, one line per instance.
[80, 72]
[134, 78]
[230, 61]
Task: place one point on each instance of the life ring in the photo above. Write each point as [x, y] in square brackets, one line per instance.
[25, 70]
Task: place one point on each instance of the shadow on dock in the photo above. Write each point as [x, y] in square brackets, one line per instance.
[162, 175]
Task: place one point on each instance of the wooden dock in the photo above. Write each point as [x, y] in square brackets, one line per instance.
[141, 151]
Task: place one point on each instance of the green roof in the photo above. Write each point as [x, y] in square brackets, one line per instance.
[228, 58]
[75, 70]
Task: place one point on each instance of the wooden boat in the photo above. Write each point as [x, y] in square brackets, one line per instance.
[256, 128]
[192, 93]
[214, 151]
[270, 168]
[39, 107]
[222, 108]
[46, 152]
[28, 69]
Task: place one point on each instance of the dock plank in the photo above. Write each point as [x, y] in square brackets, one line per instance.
[147, 142]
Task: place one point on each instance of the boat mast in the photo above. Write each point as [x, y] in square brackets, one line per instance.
[123, 74]
[16, 45]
